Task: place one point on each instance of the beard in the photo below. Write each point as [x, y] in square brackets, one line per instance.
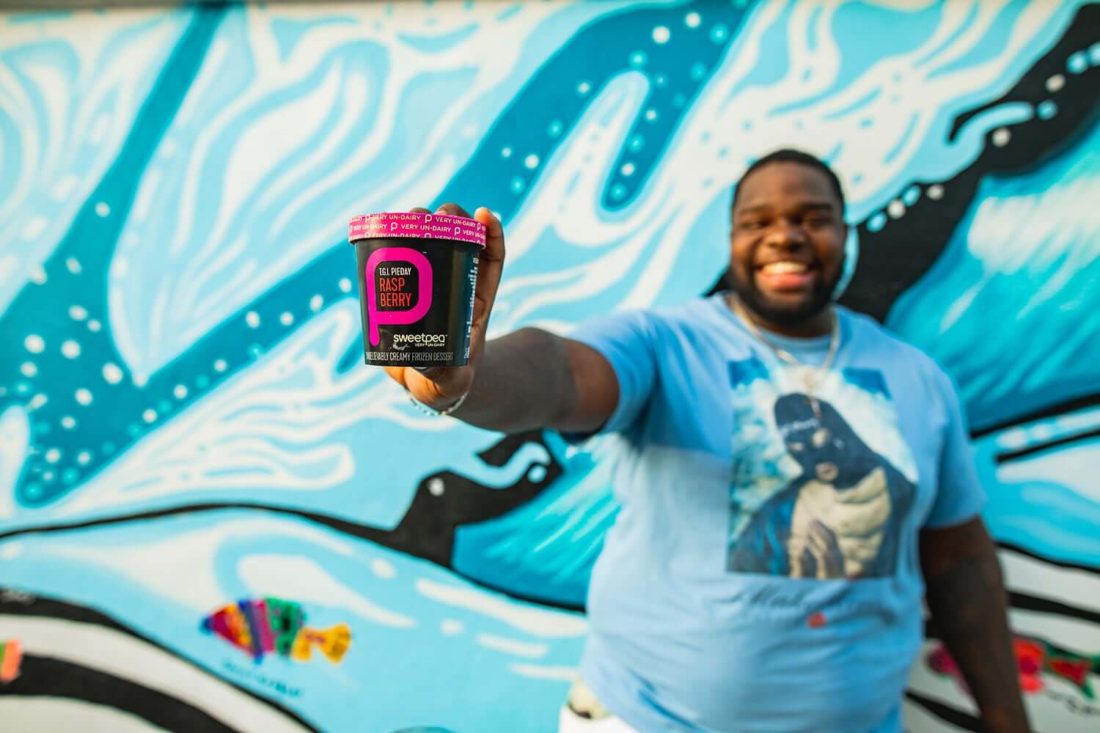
[779, 312]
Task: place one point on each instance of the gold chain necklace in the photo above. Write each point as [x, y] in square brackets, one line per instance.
[811, 378]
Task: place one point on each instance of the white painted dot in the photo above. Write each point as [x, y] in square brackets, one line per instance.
[651, 114]
[83, 397]
[77, 313]
[1055, 83]
[149, 416]
[220, 365]
[1001, 137]
[74, 265]
[345, 285]
[53, 455]
[661, 34]
[531, 161]
[315, 303]
[38, 275]
[112, 373]
[180, 392]
[436, 487]
[896, 209]
[94, 326]
[287, 318]
[139, 380]
[28, 369]
[83, 458]
[506, 152]
[692, 20]
[34, 344]
[935, 192]
[68, 422]
[70, 349]
[584, 87]
[102, 209]
[627, 169]
[48, 476]
[450, 627]
[383, 568]
[38, 400]
[252, 318]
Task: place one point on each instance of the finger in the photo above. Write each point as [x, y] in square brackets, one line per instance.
[452, 210]
[814, 540]
[494, 235]
[829, 548]
[491, 259]
[396, 373]
[433, 374]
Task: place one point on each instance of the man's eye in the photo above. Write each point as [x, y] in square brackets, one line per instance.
[818, 222]
[752, 225]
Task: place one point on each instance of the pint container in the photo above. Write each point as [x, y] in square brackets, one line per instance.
[417, 273]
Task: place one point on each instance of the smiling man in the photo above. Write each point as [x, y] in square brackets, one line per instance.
[794, 480]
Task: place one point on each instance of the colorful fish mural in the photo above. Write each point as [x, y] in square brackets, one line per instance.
[269, 624]
[1034, 657]
[11, 657]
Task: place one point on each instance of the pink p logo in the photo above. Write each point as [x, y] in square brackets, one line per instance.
[412, 314]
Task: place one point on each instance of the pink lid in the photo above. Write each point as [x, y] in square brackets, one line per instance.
[413, 224]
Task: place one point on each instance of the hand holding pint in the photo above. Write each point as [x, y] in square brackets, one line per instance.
[426, 286]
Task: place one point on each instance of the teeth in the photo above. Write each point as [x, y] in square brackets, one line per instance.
[780, 268]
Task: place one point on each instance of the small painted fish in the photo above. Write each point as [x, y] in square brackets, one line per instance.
[11, 657]
[1033, 657]
[267, 625]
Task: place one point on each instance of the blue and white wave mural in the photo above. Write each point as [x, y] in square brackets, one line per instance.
[185, 422]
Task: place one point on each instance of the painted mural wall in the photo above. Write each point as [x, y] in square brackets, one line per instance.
[214, 517]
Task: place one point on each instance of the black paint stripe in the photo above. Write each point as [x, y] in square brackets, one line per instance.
[944, 712]
[19, 603]
[1030, 554]
[49, 677]
[1049, 445]
[1028, 602]
[1062, 408]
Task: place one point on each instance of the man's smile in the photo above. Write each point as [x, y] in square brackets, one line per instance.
[785, 275]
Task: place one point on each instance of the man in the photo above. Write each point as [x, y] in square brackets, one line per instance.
[795, 479]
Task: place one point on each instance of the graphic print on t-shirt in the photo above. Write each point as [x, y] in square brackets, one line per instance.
[820, 485]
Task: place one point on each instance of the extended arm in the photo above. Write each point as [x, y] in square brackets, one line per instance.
[966, 596]
[533, 379]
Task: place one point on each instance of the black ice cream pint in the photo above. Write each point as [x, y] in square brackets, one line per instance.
[416, 275]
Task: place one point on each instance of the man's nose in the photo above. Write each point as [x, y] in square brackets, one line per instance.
[785, 234]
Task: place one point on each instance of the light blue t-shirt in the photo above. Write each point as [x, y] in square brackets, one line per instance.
[763, 572]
